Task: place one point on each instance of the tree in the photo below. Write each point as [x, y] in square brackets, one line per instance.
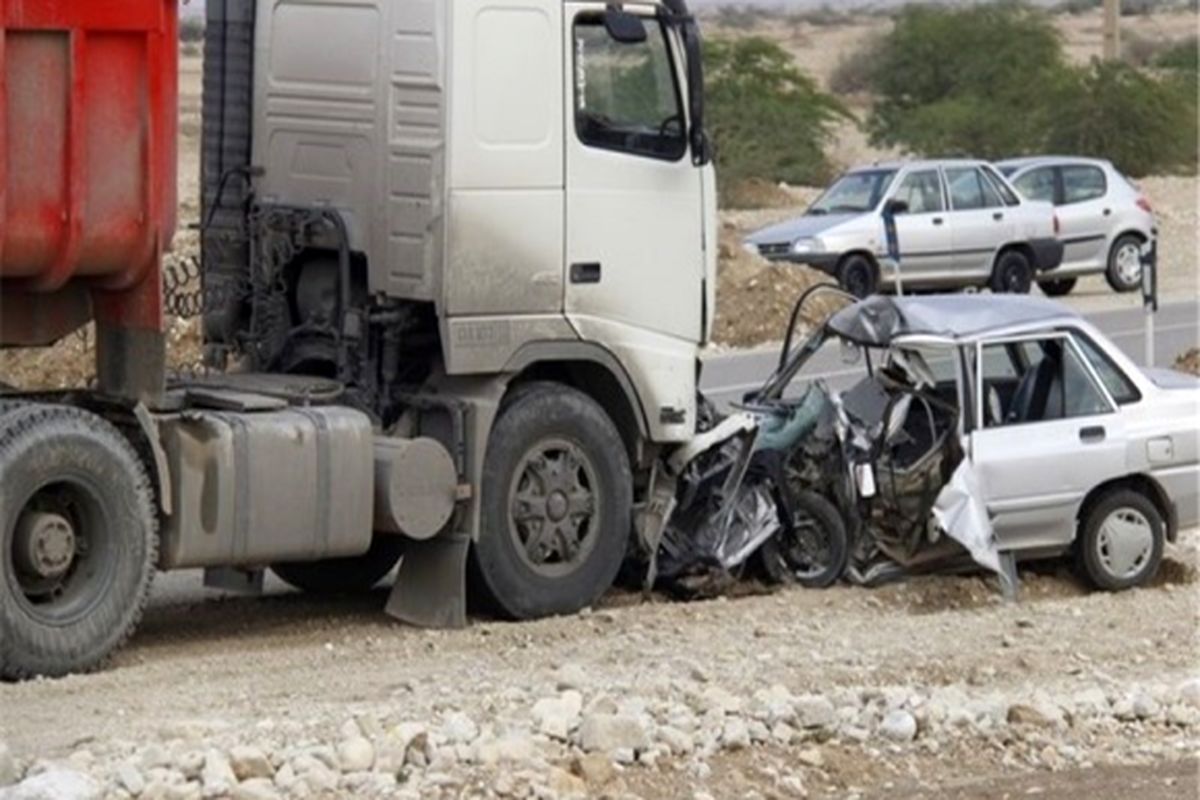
[767, 119]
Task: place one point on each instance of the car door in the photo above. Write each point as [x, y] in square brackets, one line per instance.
[1039, 451]
[635, 231]
[923, 232]
[1084, 215]
[979, 221]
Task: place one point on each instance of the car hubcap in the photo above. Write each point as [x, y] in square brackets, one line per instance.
[1129, 263]
[1125, 543]
[554, 520]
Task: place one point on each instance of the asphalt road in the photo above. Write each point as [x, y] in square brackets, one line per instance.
[728, 376]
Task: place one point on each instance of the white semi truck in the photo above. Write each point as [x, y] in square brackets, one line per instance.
[458, 262]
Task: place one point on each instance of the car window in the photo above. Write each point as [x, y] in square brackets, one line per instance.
[854, 192]
[922, 191]
[1083, 182]
[625, 93]
[1119, 386]
[1037, 184]
[968, 189]
[1001, 188]
[1052, 383]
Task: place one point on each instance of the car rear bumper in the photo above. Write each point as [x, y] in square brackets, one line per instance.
[1047, 253]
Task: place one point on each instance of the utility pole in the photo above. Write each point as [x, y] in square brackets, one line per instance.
[1112, 30]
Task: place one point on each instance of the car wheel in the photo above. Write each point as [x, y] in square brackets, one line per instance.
[343, 575]
[557, 499]
[1121, 541]
[1012, 274]
[79, 540]
[1124, 273]
[859, 276]
[1057, 288]
[815, 551]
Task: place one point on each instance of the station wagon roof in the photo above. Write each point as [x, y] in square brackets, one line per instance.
[1036, 161]
[878, 320]
[929, 163]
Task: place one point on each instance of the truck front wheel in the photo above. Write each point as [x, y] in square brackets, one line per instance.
[79, 540]
[556, 506]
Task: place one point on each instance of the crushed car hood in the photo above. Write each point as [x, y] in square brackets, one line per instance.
[798, 228]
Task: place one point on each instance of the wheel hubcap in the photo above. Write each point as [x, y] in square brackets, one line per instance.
[1129, 263]
[554, 520]
[45, 544]
[1125, 543]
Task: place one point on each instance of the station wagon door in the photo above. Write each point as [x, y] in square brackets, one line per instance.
[1046, 433]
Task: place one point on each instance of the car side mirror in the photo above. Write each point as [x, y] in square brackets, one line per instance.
[896, 208]
[624, 27]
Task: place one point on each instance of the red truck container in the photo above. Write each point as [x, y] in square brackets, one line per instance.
[88, 123]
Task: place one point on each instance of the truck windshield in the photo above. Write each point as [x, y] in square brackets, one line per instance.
[854, 192]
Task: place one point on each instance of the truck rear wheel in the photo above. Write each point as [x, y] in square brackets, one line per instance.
[556, 506]
[343, 575]
[79, 541]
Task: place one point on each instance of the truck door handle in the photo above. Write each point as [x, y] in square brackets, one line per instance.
[1092, 435]
[999, 215]
[938, 220]
[585, 272]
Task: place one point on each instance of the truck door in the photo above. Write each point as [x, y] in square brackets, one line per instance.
[634, 211]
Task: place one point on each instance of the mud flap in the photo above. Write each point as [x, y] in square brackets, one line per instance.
[431, 585]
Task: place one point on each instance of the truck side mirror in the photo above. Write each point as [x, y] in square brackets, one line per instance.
[624, 27]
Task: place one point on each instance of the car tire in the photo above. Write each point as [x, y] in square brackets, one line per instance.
[788, 556]
[858, 275]
[1122, 274]
[1058, 288]
[343, 575]
[557, 502]
[1121, 541]
[1012, 273]
[79, 533]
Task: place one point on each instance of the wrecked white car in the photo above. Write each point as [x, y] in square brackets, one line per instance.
[982, 428]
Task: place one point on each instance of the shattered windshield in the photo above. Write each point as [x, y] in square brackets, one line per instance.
[854, 192]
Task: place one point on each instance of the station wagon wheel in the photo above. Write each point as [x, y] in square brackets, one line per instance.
[1124, 273]
[1121, 543]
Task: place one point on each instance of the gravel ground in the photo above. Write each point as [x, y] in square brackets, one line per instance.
[911, 690]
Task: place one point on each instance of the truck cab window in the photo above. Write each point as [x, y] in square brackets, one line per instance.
[626, 96]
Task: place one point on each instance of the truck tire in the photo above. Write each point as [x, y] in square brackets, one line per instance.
[1124, 268]
[80, 541]
[1121, 541]
[1012, 273]
[556, 505]
[815, 552]
[343, 575]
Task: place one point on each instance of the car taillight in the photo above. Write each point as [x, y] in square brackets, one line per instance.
[1057, 225]
[1144, 205]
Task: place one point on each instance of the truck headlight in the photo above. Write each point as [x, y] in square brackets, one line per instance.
[808, 245]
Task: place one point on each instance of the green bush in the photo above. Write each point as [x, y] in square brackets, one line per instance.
[767, 119]
[855, 70]
[1181, 55]
[962, 81]
[1141, 123]
[191, 30]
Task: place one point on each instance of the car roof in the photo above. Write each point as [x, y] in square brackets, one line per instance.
[927, 163]
[1039, 161]
[881, 319]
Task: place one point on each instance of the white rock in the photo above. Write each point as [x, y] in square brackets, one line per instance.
[405, 743]
[217, 776]
[1144, 706]
[355, 754]
[735, 735]
[899, 726]
[783, 734]
[570, 676]
[8, 766]
[611, 732]
[250, 762]
[458, 728]
[129, 778]
[54, 784]
[558, 716]
[512, 748]
[1090, 702]
[679, 742]
[814, 711]
[1189, 692]
[255, 789]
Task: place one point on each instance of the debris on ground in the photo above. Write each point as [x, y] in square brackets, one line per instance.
[1189, 361]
